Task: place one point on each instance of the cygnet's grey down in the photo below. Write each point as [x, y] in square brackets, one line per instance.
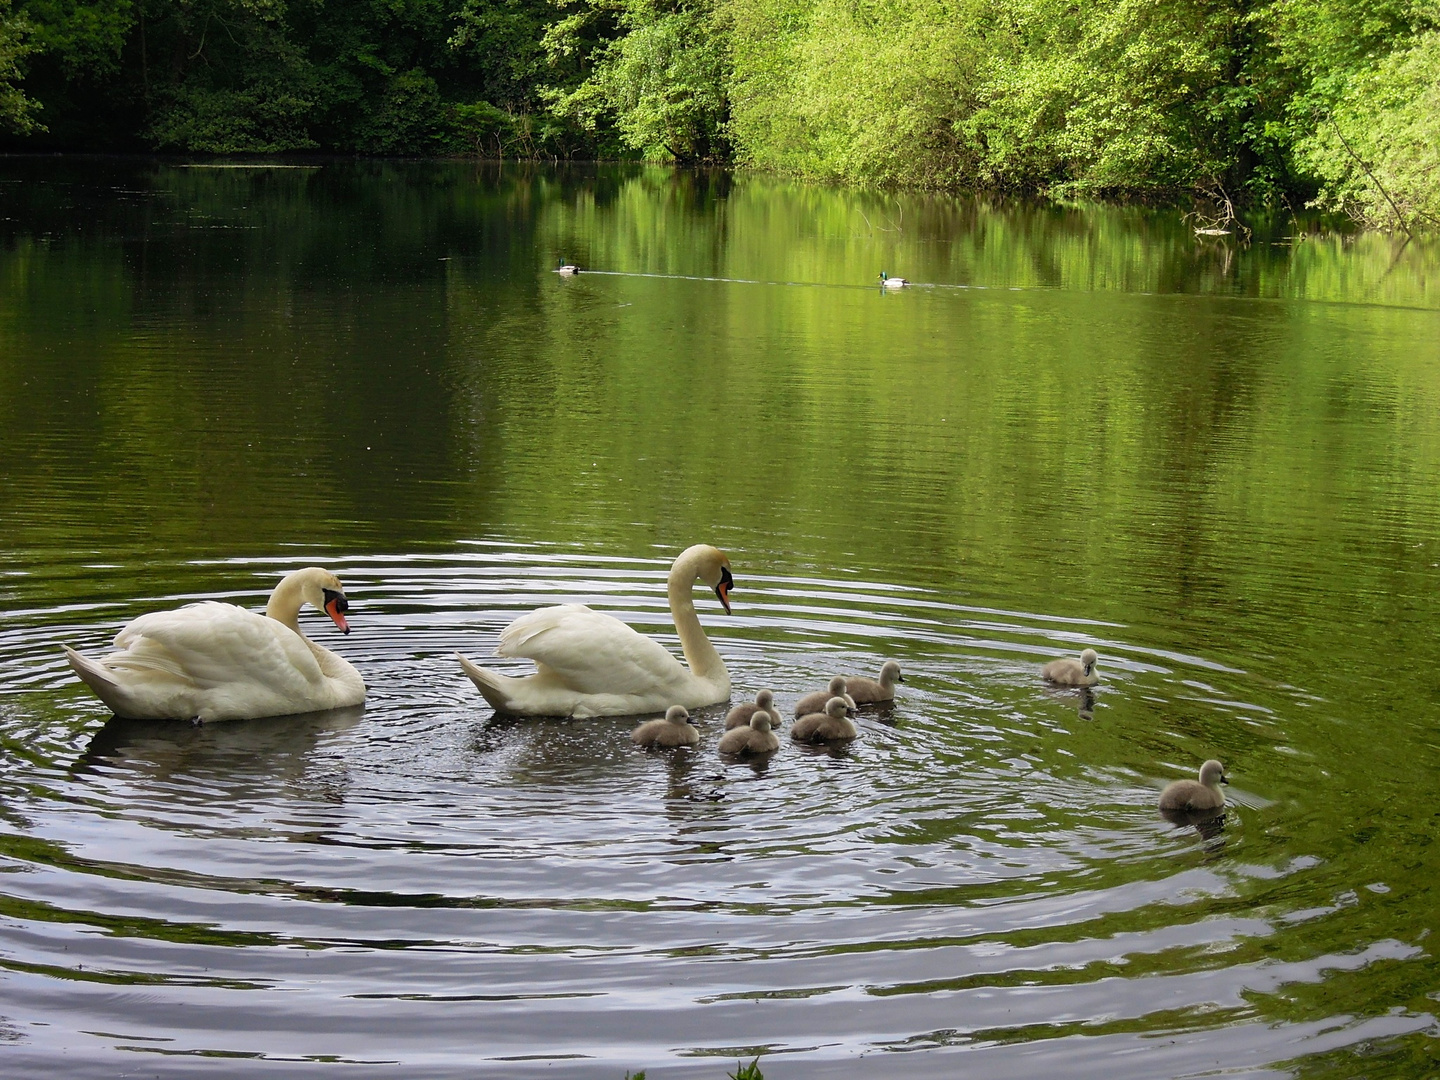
[1068, 671]
[740, 715]
[1192, 795]
[865, 691]
[754, 738]
[815, 703]
[674, 730]
[832, 725]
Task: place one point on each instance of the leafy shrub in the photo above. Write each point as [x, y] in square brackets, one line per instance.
[1378, 153]
[17, 112]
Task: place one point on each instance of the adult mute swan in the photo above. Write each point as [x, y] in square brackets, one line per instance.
[213, 661]
[591, 664]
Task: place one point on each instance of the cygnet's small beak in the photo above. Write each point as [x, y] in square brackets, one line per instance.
[1224, 780]
[335, 606]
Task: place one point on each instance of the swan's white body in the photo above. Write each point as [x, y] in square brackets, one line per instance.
[212, 661]
[592, 664]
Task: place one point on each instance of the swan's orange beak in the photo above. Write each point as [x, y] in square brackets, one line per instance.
[335, 606]
[723, 589]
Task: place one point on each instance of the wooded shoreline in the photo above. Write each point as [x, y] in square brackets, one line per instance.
[1280, 103]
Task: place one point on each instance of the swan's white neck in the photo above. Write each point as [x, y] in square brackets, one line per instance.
[704, 661]
[287, 600]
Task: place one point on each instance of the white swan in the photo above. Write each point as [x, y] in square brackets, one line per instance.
[212, 661]
[591, 664]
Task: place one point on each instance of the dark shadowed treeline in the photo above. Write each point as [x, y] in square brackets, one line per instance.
[1336, 101]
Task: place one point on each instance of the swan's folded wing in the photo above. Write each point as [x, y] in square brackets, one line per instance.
[212, 644]
[590, 651]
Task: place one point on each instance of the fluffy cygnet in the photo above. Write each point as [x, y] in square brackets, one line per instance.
[754, 738]
[1192, 795]
[674, 730]
[1068, 671]
[740, 715]
[815, 703]
[865, 691]
[832, 725]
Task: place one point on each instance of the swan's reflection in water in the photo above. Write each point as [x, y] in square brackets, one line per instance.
[882, 712]
[1081, 697]
[1209, 824]
[236, 761]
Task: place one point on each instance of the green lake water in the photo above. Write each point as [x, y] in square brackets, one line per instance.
[1218, 464]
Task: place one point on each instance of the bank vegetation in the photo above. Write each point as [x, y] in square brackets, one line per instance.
[1332, 103]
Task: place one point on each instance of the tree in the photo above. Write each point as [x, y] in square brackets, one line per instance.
[17, 112]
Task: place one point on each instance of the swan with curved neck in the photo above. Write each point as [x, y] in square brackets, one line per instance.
[592, 664]
[213, 661]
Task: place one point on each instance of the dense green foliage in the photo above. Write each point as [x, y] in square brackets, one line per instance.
[16, 110]
[1259, 100]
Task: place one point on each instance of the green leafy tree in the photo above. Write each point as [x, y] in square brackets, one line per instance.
[868, 91]
[17, 112]
[660, 81]
[234, 79]
[1378, 149]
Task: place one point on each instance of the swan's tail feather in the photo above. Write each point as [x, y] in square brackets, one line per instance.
[490, 683]
[95, 676]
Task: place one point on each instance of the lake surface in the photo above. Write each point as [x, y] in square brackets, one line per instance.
[1219, 465]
